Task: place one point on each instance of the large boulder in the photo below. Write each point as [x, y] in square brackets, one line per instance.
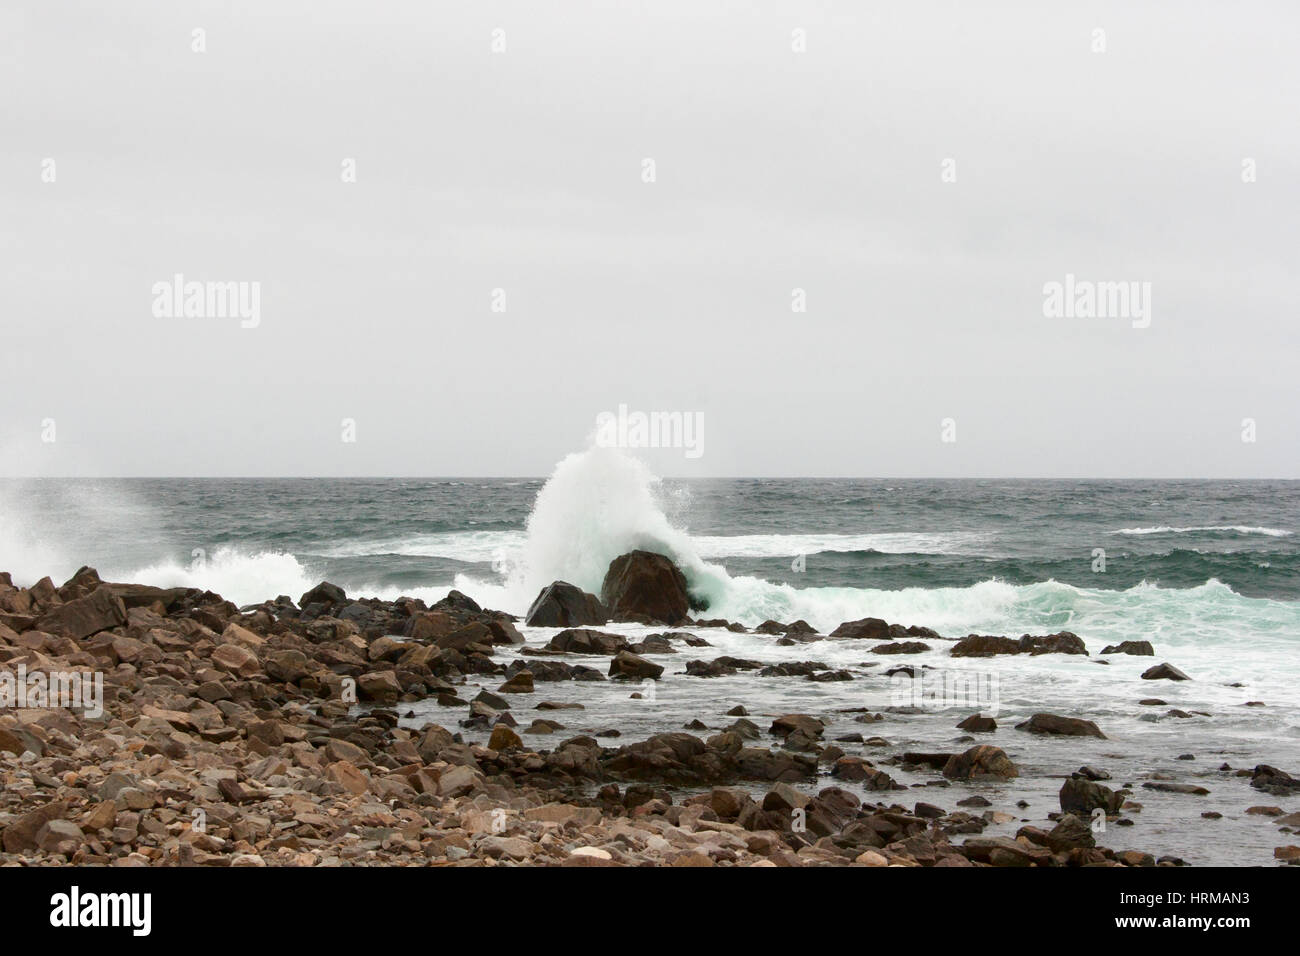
[982, 762]
[1274, 781]
[1081, 795]
[85, 616]
[645, 586]
[1069, 833]
[1136, 648]
[634, 667]
[1164, 672]
[561, 604]
[581, 640]
[324, 593]
[869, 628]
[983, 645]
[1061, 726]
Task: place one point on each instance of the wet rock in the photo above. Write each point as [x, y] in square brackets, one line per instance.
[629, 666]
[869, 628]
[829, 676]
[521, 683]
[1186, 788]
[564, 605]
[1164, 672]
[1081, 795]
[858, 770]
[978, 763]
[1060, 726]
[503, 738]
[645, 586]
[586, 641]
[1137, 648]
[473, 636]
[1070, 833]
[787, 724]
[1274, 781]
[324, 593]
[978, 724]
[379, 685]
[981, 645]
[653, 644]
[901, 647]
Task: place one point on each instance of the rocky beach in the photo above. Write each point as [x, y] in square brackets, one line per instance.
[603, 729]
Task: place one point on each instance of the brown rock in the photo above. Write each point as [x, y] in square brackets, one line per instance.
[347, 776]
[643, 585]
[503, 738]
[1060, 726]
[980, 762]
[85, 616]
[1164, 672]
[563, 605]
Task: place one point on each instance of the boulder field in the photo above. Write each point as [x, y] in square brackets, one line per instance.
[272, 735]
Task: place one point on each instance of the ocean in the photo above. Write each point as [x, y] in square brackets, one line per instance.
[1207, 571]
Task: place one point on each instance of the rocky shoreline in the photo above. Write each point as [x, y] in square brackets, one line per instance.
[273, 735]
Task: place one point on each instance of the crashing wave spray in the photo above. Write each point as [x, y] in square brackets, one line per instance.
[598, 504]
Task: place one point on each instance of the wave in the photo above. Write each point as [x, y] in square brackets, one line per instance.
[791, 545]
[245, 578]
[601, 503]
[505, 546]
[1207, 529]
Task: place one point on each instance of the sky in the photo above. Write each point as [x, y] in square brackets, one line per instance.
[462, 259]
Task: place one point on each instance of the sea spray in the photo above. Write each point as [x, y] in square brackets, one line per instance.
[599, 504]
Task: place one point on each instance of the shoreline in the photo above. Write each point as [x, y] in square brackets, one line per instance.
[287, 734]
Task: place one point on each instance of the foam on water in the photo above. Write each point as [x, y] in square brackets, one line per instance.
[1208, 529]
[235, 575]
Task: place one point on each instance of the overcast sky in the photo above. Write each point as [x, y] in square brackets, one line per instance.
[775, 170]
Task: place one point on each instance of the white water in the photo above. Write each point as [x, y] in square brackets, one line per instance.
[600, 503]
[1237, 528]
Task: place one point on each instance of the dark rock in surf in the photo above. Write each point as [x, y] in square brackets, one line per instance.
[1164, 672]
[869, 628]
[982, 762]
[1081, 795]
[323, 593]
[645, 586]
[901, 647]
[1060, 726]
[1274, 781]
[585, 641]
[561, 604]
[978, 724]
[631, 666]
[1136, 648]
[984, 645]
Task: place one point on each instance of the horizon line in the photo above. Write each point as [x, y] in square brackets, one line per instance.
[665, 476]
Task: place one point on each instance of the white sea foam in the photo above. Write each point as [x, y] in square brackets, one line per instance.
[236, 575]
[493, 546]
[1202, 529]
